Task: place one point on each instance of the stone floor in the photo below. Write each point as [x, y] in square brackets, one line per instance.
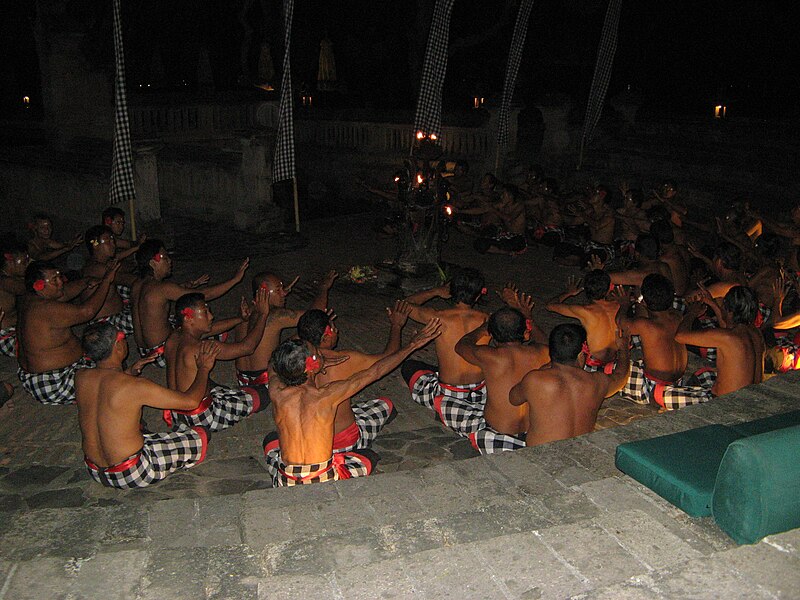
[437, 521]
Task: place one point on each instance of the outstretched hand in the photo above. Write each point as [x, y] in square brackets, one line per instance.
[431, 331]
[574, 285]
[207, 354]
[288, 288]
[327, 281]
[112, 266]
[138, 366]
[196, 283]
[242, 268]
[595, 263]
[76, 241]
[261, 301]
[399, 314]
[245, 309]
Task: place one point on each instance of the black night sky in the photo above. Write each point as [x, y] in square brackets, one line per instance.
[683, 56]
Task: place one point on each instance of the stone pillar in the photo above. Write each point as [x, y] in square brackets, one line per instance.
[256, 210]
[555, 110]
[145, 177]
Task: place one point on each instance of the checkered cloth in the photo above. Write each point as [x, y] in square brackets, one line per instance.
[283, 158]
[162, 454]
[593, 365]
[124, 292]
[8, 341]
[459, 408]
[428, 117]
[371, 416]
[122, 186]
[512, 68]
[223, 407]
[56, 386]
[160, 361]
[489, 441]
[644, 389]
[341, 465]
[602, 71]
[123, 320]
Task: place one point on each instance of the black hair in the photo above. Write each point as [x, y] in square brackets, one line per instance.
[258, 280]
[311, 326]
[602, 189]
[507, 325]
[596, 284]
[37, 270]
[466, 286]
[647, 246]
[41, 217]
[98, 340]
[729, 255]
[742, 304]
[190, 300]
[658, 292]
[93, 234]
[566, 342]
[111, 213]
[289, 362]
[669, 183]
[661, 229]
[145, 254]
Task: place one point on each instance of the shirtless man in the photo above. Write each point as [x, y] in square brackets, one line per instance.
[646, 252]
[658, 378]
[676, 257]
[251, 370]
[598, 318]
[726, 266]
[301, 451]
[510, 214]
[561, 397]
[357, 423]
[49, 353]
[455, 389]
[504, 361]
[151, 295]
[599, 218]
[12, 285]
[116, 452]
[739, 344]
[222, 407]
[114, 218]
[42, 246]
[102, 247]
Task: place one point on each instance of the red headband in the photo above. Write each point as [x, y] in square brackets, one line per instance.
[38, 285]
[528, 325]
[120, 335]
[108, 220]
[328, 331]
[484, 291]
[157, 257]
[8, 256]
[312, 363]
[188, 313]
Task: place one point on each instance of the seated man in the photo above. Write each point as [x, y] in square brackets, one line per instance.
[675, 256]
[598, 318]
[151, 295]
[598, 218]
[562, 398]
[114, 219]
[357, 423]
[510, 217]
[658, 378]
[110, 400]
[102, 247]
[455, 389]
[222, 407]
[646, 253]
[12, 286]
[739, 344]
[302, 450]
[251, 370]
[48, 351]
[504, 361]
[42, 246]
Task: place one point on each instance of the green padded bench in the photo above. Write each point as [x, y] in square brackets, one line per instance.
[682, 467]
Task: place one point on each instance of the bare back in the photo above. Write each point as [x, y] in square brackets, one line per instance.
[740, 358]
[599, 320]
[179, 353]
[456, 322]
[150, 310]
[43, 344]
[664, 358]
[113, 303]
[278, 320]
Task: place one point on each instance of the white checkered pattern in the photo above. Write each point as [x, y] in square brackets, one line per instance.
[53, 387]
[283, 166]
[122, 186]
[643, 390]
[428, 117]
[223, 407]
[8, 341]
[459, 408]
[342, 465]
[489, 441]
[371, 416]
[162, 454]
[512, 68]
[160, 361]
[123, 320]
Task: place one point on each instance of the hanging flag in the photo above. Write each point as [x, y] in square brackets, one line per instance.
[283, 162]
[602, 73]
[514, 59]
[428, 118]
[122, 186]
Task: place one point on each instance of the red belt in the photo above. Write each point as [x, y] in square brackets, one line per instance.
[117, 468]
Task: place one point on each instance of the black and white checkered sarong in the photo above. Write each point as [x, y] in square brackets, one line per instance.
[642, 389]
[223, 407]
[341, 465]
[8, 341]
[460, 408]
[162, 454]
[160, 361]
[489, 441]
[370, 418]
[123, 320]
[53, 387]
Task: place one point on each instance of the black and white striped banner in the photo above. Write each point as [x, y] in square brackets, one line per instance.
[428, 118]
[514, 59]
[122, 187]
[283, 166]
[602, 72]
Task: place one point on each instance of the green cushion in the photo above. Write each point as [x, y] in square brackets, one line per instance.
[680, 467]
[757, 491]
[772, 423]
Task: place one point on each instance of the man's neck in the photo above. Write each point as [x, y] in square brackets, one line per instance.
[191, 332]
[110, 364]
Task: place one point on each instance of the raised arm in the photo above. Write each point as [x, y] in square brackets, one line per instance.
[57, 249]
[321, 300]
[523, 303]
[213, 292]
[68, 314]
[398, 316]
[250, 342]
[153, 395]
[421, 314]
[469, 349]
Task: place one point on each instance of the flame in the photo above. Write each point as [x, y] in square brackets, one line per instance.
[419, 179]
[420, 135]
[433, 136]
